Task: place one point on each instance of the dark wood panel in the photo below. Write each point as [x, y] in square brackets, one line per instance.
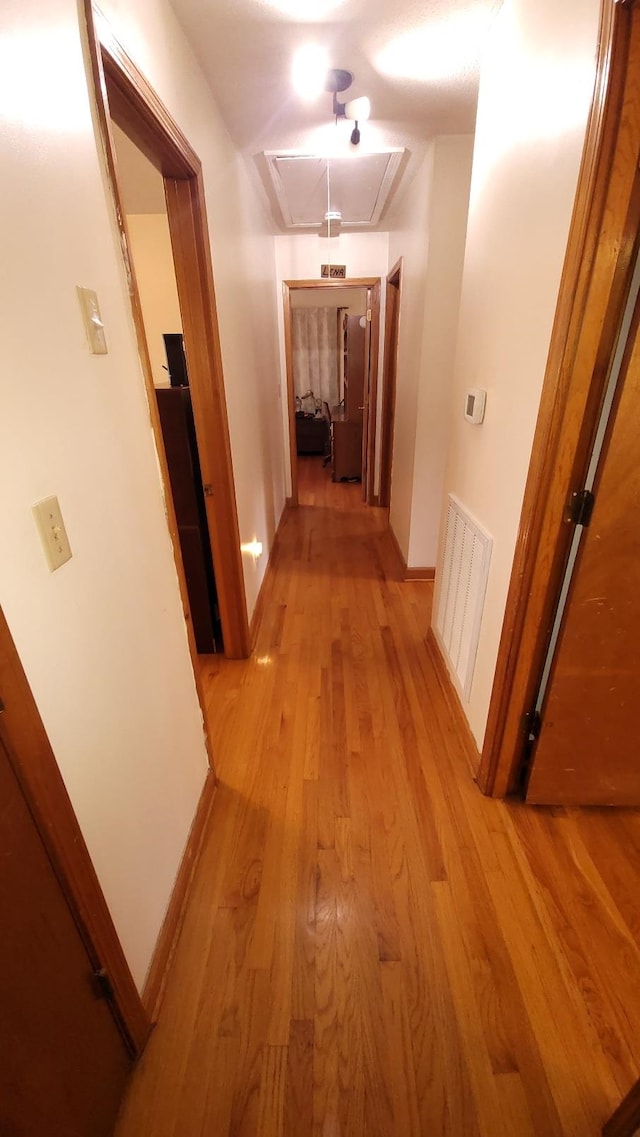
[354, 369]
[346, 449]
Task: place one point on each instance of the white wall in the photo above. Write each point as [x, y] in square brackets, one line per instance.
[299, 257]
[428, 225]
[448, 211]
[535, 94]
[409, 239]
[353, 299]
[152, 257]
[102, 640]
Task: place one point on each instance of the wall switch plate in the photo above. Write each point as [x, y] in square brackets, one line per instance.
[93, 324]
[52, 532]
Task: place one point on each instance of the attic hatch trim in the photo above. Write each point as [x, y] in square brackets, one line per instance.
[395, 154]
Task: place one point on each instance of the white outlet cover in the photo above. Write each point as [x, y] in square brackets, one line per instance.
[93, 324]
[53, 534]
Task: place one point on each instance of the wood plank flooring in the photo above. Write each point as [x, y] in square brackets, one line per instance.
[374, 949]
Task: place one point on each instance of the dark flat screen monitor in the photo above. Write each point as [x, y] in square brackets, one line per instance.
[176, 359]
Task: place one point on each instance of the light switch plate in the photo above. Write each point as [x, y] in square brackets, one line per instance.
[93, 324]
[52, 532]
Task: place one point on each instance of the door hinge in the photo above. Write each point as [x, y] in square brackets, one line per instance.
[531, 724]
[102, 985]
[580, 507]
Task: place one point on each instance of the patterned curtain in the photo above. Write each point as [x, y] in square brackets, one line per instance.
[315, 353]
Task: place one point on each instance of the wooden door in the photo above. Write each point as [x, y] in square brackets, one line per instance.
[63, 1060]
[587, 750]
[354, 370]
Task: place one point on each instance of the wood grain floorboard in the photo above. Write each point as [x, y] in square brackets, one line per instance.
[372, 948]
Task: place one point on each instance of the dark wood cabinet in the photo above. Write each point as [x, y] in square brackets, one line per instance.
[355, 340]
[346, 421]
[346, 447]
[178, 432]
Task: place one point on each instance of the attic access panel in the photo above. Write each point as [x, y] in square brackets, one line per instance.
[360, 186]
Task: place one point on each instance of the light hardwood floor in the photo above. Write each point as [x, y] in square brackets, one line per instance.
[372, 948]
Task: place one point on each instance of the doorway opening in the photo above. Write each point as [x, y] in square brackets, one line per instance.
[143, 198]
[332, 335]
[125, 99]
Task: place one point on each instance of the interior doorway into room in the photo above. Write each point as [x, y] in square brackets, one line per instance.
[337, 422]
[142, 193]
[125, 99]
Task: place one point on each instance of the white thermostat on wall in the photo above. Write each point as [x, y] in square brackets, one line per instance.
[475, 400]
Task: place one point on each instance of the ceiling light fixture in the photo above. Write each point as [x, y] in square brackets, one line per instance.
[357, 110]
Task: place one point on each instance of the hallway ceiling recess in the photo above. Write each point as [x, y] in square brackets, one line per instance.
[418, 64]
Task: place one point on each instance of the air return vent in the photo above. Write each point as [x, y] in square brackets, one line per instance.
[462, 582]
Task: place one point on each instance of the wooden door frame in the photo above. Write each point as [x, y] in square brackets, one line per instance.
[289, 286]
[123, 94]
[594, 284]
[389, 375]
[33, 762]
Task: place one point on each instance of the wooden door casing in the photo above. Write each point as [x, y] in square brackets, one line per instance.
[392, 314]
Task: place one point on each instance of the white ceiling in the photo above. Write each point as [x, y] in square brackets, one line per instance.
[417, 61]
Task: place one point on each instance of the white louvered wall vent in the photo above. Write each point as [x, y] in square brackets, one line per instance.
[462, 583]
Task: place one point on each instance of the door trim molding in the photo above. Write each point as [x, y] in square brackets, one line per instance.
[33, 761]
[595, 279]
[122, 92]
[387, 417]
[289, 286]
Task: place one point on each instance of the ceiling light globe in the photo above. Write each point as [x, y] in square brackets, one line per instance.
[358, 110]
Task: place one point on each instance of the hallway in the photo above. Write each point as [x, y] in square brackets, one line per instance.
[372, 947]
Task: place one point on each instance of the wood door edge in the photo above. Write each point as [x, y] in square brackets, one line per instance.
[291, 413]
[542, 539]
[387, 411]
[374, 366]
